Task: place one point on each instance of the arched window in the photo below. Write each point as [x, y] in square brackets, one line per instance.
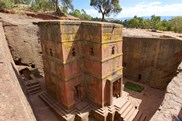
[113, 50]
[73, 52]
[91, 51]
[51, 54]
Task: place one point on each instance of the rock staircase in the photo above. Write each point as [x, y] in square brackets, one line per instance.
[63, 114]
[121, 110]
[32, 87]
[126, 111]
[79, 113]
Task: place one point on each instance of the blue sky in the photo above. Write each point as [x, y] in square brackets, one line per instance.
[137, 7]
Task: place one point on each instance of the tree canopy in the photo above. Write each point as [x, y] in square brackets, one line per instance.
[81, 14]
[40, 5]
[155, 22]
[106, 7]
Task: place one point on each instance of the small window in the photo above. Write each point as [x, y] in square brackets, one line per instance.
[113, 50]
[91, 51]
[139, 77]
[124, 64]
[73, 52]
[51, 54]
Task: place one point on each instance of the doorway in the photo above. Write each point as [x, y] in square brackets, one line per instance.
[77, 93]
[116, 89]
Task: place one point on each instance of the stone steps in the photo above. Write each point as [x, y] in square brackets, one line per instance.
[33, 87]
[122, 110]
[119, 104]
[131, 115]
[127, 111]
[57, 108]
[125, 95]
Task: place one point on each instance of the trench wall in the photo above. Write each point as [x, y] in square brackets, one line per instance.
[13, 103]
[152, 61]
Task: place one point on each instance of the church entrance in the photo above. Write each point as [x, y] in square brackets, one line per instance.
[113, 89]
[116, 88]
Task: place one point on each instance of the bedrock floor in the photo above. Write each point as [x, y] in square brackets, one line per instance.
[149, 99]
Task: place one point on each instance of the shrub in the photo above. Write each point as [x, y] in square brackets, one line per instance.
[6, 4]
[42, 5]
[134, 87]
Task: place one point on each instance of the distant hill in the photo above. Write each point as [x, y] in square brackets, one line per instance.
[148, 17]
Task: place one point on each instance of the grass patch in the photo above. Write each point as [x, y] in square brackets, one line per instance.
[134, 87]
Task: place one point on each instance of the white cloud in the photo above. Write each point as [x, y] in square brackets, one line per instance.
[155, 3]
[143, 9]
[156, 8]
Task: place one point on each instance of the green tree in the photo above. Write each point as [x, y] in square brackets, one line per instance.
[76, 13]
[176, 24]
[81, 14]
[85, 15]
[64, 4]
[6, 4]
[106, 7]
[42, 5]
[22, 1]
[164, 25]
[154, 21]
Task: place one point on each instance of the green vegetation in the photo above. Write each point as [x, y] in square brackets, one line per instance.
[22, 1]
[66, 5]
[42, 5]
[6, 3]
[106, 7]
[134, 87]
[175, 24]
[81, 14]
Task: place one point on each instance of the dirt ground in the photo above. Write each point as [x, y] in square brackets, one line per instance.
[149, 99]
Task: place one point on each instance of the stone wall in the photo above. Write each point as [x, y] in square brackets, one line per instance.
[152, 61]
[13, 103]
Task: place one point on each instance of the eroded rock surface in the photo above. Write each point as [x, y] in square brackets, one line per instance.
[172, 102]
[13, 103]
[22, 38]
